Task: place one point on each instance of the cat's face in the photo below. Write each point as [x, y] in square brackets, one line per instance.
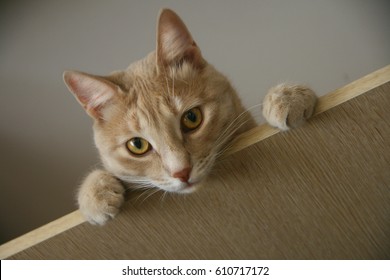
[165, 120]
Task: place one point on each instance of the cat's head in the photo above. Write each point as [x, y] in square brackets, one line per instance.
[164, 120]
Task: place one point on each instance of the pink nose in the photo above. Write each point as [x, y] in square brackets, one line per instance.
[183, 175]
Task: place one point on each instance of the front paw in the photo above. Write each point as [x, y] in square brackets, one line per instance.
[100, 197]
[287, 106]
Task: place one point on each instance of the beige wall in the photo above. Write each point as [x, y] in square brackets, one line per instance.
[45, 137]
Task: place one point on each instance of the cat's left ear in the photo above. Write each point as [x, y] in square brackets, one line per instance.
[175, 43]
[94, 93]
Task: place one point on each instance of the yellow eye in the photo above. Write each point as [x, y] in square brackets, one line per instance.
[191, 119]
[138, 146]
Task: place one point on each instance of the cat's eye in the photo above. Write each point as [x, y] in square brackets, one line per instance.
[191, 119]
[138, 146]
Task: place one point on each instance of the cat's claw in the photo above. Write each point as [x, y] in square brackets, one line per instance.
[100, 197]
[287, 106]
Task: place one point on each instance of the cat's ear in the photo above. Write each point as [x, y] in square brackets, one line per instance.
[92, 92]
[174, 42]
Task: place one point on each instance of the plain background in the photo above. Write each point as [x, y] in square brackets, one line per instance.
[46, 137]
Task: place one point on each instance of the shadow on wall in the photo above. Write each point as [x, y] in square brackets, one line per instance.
[39, 166]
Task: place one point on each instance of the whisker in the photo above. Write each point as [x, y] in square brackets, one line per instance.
[163, 196]
[229, 144]
[173, 80]
[169, 92]
[152, 192]
[235, 125]
[145, 192]
[229, 131]
[139, 187]
[232, 124]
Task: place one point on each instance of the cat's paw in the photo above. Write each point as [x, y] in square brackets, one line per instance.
[100, 197]
[287, 106]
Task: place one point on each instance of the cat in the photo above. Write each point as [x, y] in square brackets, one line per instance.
[165, 120]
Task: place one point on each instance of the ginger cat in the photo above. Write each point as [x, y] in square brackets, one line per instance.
[164, 121]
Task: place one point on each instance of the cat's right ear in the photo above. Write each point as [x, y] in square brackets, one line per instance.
[175, 43]
[92, 92]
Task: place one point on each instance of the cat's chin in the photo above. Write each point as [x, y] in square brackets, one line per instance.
[183, 188]
[188, 189]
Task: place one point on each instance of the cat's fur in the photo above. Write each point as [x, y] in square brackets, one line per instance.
[148, 100]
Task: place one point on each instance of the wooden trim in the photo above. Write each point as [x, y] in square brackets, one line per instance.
[251, 137]
[41, 234]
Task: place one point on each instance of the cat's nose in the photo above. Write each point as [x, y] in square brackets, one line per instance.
[183, 175]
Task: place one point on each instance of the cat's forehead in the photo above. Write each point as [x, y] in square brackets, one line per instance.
[154, 111]
[158, 100]
[158, 94]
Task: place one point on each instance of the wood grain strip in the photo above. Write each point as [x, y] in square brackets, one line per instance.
[41, 234]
